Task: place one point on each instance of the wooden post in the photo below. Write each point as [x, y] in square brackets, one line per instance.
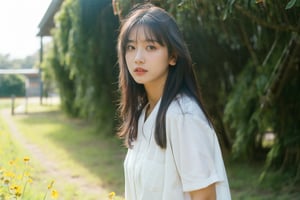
[26, 104]
[27, 85]
[40, 70]
[12, 104]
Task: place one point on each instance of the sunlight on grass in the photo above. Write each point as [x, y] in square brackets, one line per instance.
[18, 175]
[77, 146]
[7, 102]
[62, 138]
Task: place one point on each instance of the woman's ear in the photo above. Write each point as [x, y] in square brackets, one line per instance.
[173, 60]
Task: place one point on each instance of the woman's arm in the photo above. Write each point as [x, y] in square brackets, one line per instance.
[208, 193]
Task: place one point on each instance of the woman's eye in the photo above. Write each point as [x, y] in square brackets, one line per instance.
[129, 48]
[150, 47]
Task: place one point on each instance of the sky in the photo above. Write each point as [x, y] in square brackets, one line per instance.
[19, 20]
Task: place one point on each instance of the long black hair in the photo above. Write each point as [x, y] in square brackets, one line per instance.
[181, 77]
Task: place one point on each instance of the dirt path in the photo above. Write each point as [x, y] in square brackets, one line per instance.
[50, 166]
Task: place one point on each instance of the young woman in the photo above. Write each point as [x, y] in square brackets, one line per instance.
[173, 151]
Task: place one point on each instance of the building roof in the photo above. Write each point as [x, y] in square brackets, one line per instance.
[47, 22]
[20, 71]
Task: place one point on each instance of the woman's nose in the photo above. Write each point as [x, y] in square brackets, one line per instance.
[139, 57]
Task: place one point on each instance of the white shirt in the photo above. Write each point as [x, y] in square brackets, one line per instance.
[192, 159]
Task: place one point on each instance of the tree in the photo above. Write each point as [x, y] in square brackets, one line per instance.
[11, 85]
[54, 69]
[28, 62]
[263, 94]
[85, 40]
[4, 62]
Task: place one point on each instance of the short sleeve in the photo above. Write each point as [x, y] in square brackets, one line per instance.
[194, 145]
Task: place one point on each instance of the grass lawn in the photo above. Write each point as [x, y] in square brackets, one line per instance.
[18, 172]
[245, 183]
[77, 146]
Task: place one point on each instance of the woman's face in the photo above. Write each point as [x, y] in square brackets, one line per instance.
[147, 60]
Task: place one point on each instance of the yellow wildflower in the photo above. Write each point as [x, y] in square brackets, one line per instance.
[54, 194]
[18, 194]
[16, 188]
[50, 185]
[12, 162]
[29, 180]
[26, 174]
[9, 174]
[111, 195]
[26, 159]
[6, 182]
[20, 177]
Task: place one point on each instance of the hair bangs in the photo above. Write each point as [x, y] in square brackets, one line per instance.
[151, 28]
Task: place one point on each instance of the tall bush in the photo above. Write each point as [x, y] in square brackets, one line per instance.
[12, 85]
[84, 40]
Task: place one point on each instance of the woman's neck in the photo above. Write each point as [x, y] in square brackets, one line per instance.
[153, 95]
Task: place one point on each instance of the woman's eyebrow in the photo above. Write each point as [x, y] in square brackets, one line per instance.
[143, 41]
[151, 40]
[130, 41]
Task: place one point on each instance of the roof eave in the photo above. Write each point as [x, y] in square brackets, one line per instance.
[47, 22]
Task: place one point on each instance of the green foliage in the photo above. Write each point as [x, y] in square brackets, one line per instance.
[7, 63]
[83, 58]
[94, 58]
[285, 154]
[246, 110]
[53, 68]
[12, 85]
[292, 3]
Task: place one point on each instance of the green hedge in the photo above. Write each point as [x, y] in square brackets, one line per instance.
[12, 85]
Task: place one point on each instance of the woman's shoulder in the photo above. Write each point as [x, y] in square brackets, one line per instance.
[183, 105]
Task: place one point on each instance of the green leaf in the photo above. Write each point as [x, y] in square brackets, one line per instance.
[290, 4]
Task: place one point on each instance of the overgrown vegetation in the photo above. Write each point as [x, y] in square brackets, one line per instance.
[12, 85]
[6, 62]
[18, 177]
[83, 58]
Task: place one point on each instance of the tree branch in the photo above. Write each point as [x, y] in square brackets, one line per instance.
[265, 23]
[248, 44]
